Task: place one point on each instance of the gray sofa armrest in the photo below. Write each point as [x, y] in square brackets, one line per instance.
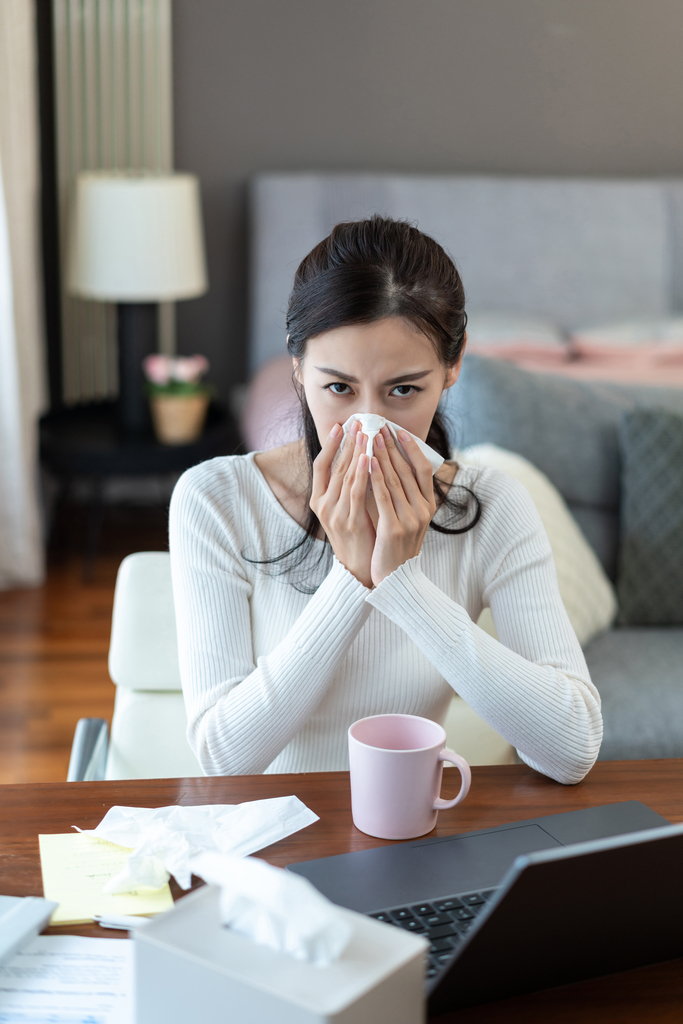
[89, 749]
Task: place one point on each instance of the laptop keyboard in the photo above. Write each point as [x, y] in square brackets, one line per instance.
[443, 921]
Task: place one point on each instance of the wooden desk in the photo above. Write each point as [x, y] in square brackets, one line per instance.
[499, 794]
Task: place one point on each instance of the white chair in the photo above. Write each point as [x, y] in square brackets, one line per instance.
[149, 722]
[148, 726]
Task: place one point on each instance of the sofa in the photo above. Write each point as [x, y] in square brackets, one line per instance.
[570, 431]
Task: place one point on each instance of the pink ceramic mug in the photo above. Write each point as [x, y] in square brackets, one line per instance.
[396, 766]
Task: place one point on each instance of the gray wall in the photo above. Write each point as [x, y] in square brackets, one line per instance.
[505, 86]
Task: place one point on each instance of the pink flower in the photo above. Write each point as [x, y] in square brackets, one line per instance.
[158, 369]
[189, 369]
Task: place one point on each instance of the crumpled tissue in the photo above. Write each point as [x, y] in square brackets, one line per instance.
[372, 424]
[276, 908]
[164, 840]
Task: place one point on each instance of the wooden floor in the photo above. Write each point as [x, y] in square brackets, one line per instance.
[54, 642]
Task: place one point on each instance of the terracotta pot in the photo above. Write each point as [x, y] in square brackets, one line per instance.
[178, 419]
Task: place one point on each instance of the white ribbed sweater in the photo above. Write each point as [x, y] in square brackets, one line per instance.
[273, 678]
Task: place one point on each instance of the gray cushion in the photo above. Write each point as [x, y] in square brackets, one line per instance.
[650, 580]
[600, 527]
[567, 428]
[639, 675]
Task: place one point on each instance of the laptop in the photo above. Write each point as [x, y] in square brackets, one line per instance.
[527, 905]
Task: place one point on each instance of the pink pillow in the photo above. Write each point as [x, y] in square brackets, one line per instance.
[527, 341]
[636, 351]
[623, 372]
[270, 416]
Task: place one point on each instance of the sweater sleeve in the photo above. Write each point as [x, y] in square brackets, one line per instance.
[241, 714]
[532, 685]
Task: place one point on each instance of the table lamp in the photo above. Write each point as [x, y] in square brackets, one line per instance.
[137, 240]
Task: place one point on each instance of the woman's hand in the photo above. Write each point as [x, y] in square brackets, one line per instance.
[339, 499]
[404, 495]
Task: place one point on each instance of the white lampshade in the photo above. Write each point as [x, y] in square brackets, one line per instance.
[136, 238]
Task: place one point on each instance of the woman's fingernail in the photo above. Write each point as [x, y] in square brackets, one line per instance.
[359, 438]
[374, 464]
[363, 462]
[404, 437]
[336, 430]
[379, 441]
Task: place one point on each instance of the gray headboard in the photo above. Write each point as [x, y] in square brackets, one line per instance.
[576, 250]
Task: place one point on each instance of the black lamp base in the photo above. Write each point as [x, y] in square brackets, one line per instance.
[137, 338]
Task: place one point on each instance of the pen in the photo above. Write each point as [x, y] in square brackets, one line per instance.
[123, 921]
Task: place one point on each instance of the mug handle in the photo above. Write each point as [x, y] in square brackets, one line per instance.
[466, 775]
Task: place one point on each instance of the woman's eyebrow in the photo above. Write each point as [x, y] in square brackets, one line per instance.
[337, 373]
[354, 380]
[408, 376]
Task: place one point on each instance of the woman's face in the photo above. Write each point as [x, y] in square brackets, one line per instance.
[387, 367]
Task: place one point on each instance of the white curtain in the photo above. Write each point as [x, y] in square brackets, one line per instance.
[22, 378]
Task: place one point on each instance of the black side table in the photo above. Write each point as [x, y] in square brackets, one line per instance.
[84, 443]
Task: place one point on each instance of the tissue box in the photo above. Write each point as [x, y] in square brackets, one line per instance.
[189, 967]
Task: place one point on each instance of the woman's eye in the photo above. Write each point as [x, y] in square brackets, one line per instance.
[338, 388]
[403, 390]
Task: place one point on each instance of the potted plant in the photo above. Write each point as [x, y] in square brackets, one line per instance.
[178, 399]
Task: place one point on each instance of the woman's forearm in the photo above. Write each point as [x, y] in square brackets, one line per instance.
[548, 710]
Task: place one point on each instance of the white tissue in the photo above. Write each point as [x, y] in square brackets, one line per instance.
[276, 908]
[165, 839]
[372, 424]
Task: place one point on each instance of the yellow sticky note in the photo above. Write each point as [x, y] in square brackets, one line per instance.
[76, 867]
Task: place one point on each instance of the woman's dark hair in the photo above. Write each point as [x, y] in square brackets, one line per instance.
[365, 271]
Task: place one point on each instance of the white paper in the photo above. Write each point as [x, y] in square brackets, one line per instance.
[165, 839]
[372, 424]
[67, 979]
[276, 908]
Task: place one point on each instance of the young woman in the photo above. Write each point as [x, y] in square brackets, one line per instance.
[315, 586]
